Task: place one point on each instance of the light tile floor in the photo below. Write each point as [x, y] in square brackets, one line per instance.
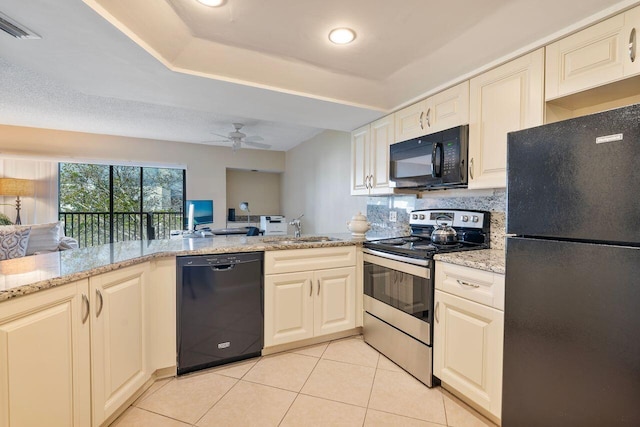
[342, 383]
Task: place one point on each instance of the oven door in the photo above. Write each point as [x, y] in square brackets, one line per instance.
[400, 293]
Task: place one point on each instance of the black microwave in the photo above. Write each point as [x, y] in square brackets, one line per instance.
[431, 162]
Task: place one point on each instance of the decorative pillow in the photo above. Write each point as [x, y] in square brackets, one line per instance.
[13, 241]
[44, 238]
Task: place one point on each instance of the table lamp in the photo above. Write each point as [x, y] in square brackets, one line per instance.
[16, 187]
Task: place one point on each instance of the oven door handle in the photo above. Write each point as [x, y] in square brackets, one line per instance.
[414, 261]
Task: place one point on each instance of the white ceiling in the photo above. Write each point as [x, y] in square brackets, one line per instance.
[177, 70]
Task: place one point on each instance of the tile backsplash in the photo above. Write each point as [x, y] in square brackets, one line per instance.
[379, 210]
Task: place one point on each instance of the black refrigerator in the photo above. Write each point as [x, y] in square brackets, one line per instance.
[572, 295]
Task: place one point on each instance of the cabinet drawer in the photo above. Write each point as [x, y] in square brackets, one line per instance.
[292, 260]
[476, 285]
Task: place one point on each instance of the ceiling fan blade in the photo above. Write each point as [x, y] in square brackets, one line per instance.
[221, 136]
[257, 144]
[216, 140]
[254, 138]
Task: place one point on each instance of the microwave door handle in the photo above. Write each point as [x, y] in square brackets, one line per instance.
[436, 160]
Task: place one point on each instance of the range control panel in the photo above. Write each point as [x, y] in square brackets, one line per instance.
[453, 218]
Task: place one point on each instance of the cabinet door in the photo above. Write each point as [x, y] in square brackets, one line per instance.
[631, 38]
[334, 306]
[44, 359]
[360, 159]
[381, 137]
[504, 99]
[586, 59]
[118, 338]
[411, 122]
[468, 346]
[288, 308]
[161, 340]
[449, 108]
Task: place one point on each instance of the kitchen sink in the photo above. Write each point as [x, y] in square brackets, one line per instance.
[286, 240]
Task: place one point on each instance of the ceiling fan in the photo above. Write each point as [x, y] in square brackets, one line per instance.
[238, 138]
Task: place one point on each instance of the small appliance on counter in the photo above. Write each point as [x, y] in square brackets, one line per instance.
[273, 225]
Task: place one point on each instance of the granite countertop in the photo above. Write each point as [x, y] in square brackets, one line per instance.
[26, 275]
[485, 259]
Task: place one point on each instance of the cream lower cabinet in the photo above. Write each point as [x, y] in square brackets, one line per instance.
[118, 338]
[468, 335]
[45, 358]
[504, 99]
[309, 293]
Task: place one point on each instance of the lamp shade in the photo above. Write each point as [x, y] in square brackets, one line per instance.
[16, 187]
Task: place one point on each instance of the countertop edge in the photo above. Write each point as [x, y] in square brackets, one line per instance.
[492, 260]
[64, 279]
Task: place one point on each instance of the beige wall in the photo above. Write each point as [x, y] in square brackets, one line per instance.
[206, 165]
[260, 189]
[317, 183]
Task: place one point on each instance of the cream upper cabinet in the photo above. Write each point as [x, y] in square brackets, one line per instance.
[118, 338]
[468, 334]
[308, 293]
[44, 358]
[370, 157]
[632, 34]
[600, 54]
[441, 111]
[449, 108]
[360, 160]
[504, 99]
[381, 137]
[411, 121]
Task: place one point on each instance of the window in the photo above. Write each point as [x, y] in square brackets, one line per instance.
[104, 204]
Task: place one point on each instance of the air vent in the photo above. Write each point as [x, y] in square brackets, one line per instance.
[16, 30]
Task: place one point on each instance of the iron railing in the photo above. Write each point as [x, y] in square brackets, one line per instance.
[96, 228]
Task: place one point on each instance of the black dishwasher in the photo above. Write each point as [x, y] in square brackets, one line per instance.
[219, 309]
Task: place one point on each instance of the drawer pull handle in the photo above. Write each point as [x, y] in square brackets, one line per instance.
[471, 285]
[428, 117]
[420, 120]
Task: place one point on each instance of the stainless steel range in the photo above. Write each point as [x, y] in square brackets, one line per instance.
[398, 284]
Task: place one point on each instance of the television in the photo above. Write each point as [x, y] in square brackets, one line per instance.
[202, 212]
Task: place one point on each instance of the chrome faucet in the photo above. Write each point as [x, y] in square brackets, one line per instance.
[296, 223]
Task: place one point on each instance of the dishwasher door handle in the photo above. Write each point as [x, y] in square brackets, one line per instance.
[226, 267]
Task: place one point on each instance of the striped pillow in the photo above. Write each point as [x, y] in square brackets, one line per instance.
[13, 241]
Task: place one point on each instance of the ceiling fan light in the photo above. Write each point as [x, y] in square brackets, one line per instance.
[342, 35]
[212, 3]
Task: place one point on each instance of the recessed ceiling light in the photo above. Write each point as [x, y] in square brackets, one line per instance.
[212, 3]
[342, 35]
